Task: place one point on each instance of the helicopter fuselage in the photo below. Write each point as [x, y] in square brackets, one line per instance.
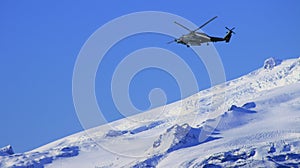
[194, 39]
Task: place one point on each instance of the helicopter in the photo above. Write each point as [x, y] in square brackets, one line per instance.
[195, 38]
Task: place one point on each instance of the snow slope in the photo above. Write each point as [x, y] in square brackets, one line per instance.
[253, 121]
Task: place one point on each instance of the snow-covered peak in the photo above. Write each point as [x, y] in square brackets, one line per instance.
[250, 121]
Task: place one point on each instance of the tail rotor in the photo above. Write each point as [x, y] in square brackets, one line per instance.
[229, 33]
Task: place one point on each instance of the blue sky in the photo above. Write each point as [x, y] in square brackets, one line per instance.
[40, 41]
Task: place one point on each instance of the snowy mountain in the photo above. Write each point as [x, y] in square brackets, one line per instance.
[253, 121]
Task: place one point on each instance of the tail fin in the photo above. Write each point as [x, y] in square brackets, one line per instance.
[229, 34]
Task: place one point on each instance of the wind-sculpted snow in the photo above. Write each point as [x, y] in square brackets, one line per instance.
[270, 63]
[146, 127]
[7, 150]
[37, 159]
[175, 138]
[115, 133]
[234, 117]
[285, 160]
[224, 159]
[150, 162]
[248, 157]
[252, 121]
[180, 136]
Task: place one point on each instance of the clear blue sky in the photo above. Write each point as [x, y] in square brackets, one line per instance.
[40, 41]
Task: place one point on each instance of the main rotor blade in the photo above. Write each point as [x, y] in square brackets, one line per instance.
[183, 26]
[171, 41]
[205, 23]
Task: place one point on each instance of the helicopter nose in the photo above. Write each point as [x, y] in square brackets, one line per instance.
[178, 40]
